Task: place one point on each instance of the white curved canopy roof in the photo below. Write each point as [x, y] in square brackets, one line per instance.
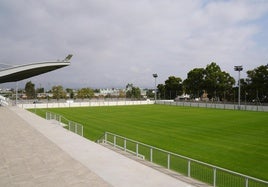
[26, 71]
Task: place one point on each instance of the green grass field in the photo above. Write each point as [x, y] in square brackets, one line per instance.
[236, 140]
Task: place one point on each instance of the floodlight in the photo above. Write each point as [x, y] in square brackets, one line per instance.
[238, 68]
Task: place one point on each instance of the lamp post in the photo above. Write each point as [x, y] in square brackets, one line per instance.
[238, 68]
[155, 76]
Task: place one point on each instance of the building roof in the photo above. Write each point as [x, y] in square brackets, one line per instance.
[29, 70]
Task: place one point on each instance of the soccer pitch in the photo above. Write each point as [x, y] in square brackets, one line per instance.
[235, 140]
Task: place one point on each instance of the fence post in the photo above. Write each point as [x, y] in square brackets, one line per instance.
[59, 119]
[137, 149]
[69, 125]
[105, 137]
[246, 182]
[214, 177]
[168, 161]
[151, 154]
[75, 128]
[189, 168]
[82, 131]
[125, 144]
[114, 140]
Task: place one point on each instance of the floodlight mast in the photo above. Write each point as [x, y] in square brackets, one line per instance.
[238, 68]
[155, 76]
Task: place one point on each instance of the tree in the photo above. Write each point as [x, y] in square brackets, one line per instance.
[133, 92]
[30, 90]
[246, 90]
[122, 94]
[212, 74]
[161, 90]
[225, 86]
[85, 93]
[173, 87]
[194, 84]
[257, 83]
[70, 92]
[58, 92]
[40, 90]
[150, 93]
[217, 83]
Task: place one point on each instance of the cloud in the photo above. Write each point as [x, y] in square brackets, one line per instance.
[120, 42]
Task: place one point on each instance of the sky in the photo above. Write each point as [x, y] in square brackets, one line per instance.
[124, 41]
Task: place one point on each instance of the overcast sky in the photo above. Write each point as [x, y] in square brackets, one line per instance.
[126, 41]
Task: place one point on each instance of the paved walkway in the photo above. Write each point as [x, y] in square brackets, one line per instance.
[28, 158]
[35, 152]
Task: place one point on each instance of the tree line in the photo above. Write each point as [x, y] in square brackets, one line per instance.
[214, 84]
[58, 92]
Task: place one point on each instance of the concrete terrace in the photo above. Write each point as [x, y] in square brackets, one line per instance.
[36, 152]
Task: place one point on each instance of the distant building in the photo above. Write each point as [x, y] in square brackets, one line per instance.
[144, 93]
[182, 97]
[114, 92]
[44, 95]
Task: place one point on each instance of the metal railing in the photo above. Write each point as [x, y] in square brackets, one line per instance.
[210, 174]
[70, 125]
[3, 100]
[216, 105]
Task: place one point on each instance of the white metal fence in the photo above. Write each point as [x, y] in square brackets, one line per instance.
[214, 105]
[89, 103]
[201, 171]
[70, 125]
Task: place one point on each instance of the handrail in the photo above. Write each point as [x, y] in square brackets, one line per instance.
[3, 100]
[59, 118]
[187, 158]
